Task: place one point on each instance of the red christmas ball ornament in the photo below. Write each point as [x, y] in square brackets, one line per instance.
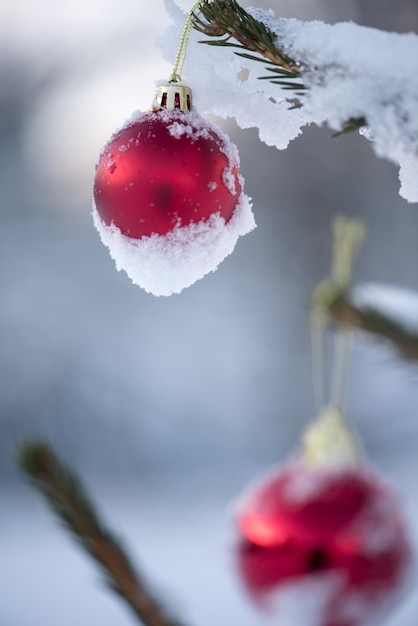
[168, 184]
[165, 169]
[322, 544]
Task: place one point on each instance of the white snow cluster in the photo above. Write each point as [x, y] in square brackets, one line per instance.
[167, 264]
[310, 601]
[396, 303]
[354, 72]
[303, 602]
[307, 602]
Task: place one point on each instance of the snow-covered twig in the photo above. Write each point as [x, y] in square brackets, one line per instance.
[387, 312]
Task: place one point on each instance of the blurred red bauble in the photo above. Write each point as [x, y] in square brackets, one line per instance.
[333, 540]
[164, 169]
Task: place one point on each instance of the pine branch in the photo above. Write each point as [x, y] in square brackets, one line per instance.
[229, 25]
[341, 305]
[226, 20]
[68, 499]
[351, 125]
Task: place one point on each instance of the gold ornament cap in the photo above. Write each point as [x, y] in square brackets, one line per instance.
[173, 94]
[328, 441]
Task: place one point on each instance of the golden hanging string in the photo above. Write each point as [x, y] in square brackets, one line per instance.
[174, 94]
[348, 237]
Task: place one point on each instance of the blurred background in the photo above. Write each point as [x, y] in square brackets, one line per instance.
[169, 406]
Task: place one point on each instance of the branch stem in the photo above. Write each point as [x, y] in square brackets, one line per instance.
[68, 499]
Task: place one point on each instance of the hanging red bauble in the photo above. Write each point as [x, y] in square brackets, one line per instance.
[170, 172]
[165, 169]
[325, 545]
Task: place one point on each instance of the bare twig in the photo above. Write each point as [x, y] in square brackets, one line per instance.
[68, 499]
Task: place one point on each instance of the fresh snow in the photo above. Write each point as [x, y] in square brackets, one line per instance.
[356, 71]
[166, 264]
[303, 602]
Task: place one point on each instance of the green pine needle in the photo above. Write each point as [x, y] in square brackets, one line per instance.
[351, 125]
[226, 20]
[229, 25]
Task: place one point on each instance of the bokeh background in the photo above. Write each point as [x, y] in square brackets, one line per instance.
[169, 406]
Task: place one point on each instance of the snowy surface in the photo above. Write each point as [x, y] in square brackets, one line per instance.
[358, 72]
[166, 264]
[303, 603]
[396, 303]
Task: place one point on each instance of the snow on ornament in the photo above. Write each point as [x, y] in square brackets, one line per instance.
[322, 539]
[168, 195]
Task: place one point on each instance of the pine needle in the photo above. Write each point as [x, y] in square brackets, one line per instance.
[227, 20]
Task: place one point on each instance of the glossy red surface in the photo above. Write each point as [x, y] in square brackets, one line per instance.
[299, 523]
[149, 180]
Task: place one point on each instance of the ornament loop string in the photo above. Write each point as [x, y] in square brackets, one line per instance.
[348, 236]
[318, 324]
[184, 42]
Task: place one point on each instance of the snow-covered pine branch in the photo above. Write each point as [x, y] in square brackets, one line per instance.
[387, 312]
[350, 72]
